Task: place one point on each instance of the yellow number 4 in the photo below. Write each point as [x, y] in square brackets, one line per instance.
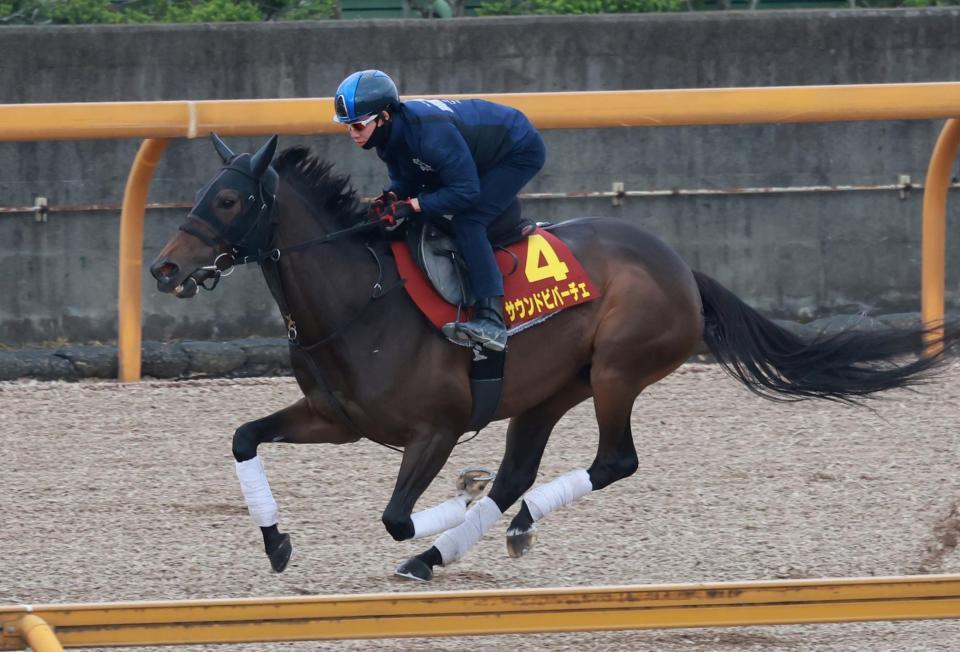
[538, 248]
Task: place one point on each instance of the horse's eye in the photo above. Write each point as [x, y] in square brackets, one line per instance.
[228, 203]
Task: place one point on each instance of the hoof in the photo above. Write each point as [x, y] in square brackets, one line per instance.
[280, 556]
[520, 541]
[414, 569]
[474, 480]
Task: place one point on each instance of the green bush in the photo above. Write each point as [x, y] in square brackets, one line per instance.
[212, 11]
[87, 12]
[84, 12]
[518, 7]
[22, 12]
[929, 3]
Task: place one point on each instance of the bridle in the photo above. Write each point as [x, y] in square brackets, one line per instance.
[246, 239]
[247, 234]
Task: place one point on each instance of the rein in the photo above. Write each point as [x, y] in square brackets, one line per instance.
[269, 259]
[269, 266]
[274, 254]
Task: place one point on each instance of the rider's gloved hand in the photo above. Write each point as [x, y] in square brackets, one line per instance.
[398, 212]
[379, 205]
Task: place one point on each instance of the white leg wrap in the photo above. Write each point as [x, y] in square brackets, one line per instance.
[444, 516]
[454, 544]
[256, 491]
[543, 499]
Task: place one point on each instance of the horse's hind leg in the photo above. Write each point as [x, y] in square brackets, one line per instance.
[616, 459]
[297, 424]
[527, 437]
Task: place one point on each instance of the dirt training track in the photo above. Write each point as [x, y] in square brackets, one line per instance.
[127, 492]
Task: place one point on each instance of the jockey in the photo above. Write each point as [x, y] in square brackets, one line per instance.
[465, 160]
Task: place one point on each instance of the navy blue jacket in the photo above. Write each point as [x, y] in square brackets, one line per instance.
[439, 149]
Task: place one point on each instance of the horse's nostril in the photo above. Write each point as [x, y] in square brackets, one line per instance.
[164, 270]
[168, 269]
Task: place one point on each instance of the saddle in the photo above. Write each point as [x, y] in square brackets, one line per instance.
[435, 252]
[540, 275]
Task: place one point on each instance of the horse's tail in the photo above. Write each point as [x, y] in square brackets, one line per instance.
[777, 364]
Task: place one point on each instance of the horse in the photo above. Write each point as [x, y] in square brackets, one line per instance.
[369, 364]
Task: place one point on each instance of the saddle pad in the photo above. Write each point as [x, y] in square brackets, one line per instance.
[540, 278]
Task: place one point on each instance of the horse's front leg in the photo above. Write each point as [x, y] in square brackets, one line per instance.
[296, 424]
[422, 460]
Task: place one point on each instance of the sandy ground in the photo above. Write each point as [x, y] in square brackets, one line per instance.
[112, 492]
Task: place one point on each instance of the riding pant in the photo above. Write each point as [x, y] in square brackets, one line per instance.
[498, 190]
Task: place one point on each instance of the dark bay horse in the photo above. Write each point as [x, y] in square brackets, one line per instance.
[370, 365]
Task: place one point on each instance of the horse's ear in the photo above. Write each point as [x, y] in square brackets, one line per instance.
[264, 156]
[222, 149]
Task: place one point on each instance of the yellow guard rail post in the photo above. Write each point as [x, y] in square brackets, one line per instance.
[934, 239]
[468, 613]
[38, 634]
[129, 333]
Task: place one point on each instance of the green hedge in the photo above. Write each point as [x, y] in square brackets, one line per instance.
[518, 7]
[82, 12]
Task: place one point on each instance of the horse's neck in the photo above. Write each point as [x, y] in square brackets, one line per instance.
[323, 285]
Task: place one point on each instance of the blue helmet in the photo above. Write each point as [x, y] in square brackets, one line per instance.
[363, 94]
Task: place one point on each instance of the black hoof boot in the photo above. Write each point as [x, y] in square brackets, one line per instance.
[280, 553]
[414, 569]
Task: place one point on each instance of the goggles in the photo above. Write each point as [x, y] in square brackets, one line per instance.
[360, 125]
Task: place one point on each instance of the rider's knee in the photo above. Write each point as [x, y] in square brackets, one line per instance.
[400, 527]
[245, 443]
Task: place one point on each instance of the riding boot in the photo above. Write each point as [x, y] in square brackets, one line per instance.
[487, 326]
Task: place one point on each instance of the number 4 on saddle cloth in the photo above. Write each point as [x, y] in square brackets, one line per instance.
[541, 277]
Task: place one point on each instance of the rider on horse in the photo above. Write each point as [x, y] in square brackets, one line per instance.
[465, 160]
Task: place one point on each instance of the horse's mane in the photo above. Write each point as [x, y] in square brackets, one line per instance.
[303, 169]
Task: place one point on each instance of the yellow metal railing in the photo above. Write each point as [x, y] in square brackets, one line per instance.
[934, 238]
[129, 333]
[34, 632]
[468, 613]
[655, 108]
[188, 119]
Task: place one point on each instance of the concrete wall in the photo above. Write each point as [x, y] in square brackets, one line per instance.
[797, 256]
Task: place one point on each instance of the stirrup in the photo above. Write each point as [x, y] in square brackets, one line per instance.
[451, 330]
[494, 343]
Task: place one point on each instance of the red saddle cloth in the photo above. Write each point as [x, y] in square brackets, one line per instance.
[540, 279]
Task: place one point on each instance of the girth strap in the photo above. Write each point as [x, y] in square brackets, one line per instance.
[486, 383]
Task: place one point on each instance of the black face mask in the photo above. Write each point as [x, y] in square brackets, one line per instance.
[380, 135]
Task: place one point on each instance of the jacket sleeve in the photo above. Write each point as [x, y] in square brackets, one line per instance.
[402, 188]
[447, 152]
